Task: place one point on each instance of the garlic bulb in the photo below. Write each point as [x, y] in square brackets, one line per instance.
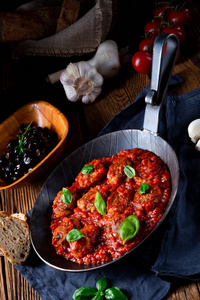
[81, 82]
[107, 61]
[194, 132]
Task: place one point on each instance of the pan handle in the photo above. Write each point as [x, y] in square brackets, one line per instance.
[162, 67]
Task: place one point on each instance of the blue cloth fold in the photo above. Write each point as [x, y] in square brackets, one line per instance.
[174, 249]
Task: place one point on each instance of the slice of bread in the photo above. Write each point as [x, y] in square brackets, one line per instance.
[15, 240]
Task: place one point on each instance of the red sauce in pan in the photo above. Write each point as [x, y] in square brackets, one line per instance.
[101, 242]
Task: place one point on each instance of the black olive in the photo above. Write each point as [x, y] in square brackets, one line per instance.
[12, 144]
[27, 159]
[14, 178]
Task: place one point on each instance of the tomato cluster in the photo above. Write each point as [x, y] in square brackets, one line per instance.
[166, 18]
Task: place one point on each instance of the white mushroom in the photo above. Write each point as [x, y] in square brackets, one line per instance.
[194, 132]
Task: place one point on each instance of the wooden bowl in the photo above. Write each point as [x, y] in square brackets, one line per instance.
[43, 114]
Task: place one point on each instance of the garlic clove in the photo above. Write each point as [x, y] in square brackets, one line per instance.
[95, 77]
[70, 74]
[90, 98]
[71, 93]
[194, 130]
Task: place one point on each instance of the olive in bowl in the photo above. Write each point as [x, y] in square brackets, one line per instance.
[31, 140]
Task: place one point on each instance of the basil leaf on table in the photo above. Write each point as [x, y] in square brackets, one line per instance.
[98, 296]
[100, 204]
[74, 235]
[129, 171]
[66, 196]
[143, 188]
[115, 294]
[101, 284]
[129, 228]
[88, 169]
[85, 293]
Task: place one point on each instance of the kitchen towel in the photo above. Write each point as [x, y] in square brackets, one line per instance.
[174, 249]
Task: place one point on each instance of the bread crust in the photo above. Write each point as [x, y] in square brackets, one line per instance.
[15, 240]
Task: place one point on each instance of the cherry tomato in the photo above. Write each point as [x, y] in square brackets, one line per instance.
[179, 32]
[147, 45]
[142, 62]
[152, 28]
[182, 18]
[161, 11]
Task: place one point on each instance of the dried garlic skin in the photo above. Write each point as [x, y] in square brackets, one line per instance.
[81, 82]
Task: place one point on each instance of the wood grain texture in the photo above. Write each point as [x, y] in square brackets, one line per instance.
[26, 78]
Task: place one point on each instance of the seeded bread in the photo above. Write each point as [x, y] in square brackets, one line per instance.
[14, 237]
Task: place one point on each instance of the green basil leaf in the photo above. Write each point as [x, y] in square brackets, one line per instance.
[129, 228]
[100, 204]
[66, 196]
[129, 171]
[88, 169]
[98, 296]
[115, 293]
[74, 235]
[143, 188]
[56, 236]
[101, 284]
[84, 293]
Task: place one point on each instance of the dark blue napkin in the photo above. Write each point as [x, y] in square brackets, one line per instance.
[174, 249]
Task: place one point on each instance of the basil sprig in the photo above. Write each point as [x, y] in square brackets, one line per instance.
[129, 228]
[89, 293]
[88, 169]
[129, 171]
[66, 196]
[74, 235]
[21, 137]
[143, 188]
[100, 204]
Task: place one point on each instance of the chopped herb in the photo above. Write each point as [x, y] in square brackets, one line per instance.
[74, 235]
[56, 236]
[100, 204]
[129, 171]
[88, 169]
[143, 188]
[66, 196]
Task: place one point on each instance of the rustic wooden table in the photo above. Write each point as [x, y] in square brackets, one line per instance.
[23, 81]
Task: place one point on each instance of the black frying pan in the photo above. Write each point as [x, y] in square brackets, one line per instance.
[108, 145]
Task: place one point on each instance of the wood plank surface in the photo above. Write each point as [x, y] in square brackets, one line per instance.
[86, 121]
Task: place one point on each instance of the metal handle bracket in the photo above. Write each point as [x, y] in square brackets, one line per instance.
[165, 52]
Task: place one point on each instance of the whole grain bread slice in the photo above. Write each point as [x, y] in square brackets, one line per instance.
[15, 240]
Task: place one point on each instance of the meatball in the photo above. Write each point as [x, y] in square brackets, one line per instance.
[61, 209]
[116, 173]
[149, 200]
[98, 174]
[119, 200]
[85, 245]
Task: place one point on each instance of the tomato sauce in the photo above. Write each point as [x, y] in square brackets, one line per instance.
[101, 241]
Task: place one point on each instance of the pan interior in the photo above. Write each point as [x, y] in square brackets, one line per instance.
[65, 174]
